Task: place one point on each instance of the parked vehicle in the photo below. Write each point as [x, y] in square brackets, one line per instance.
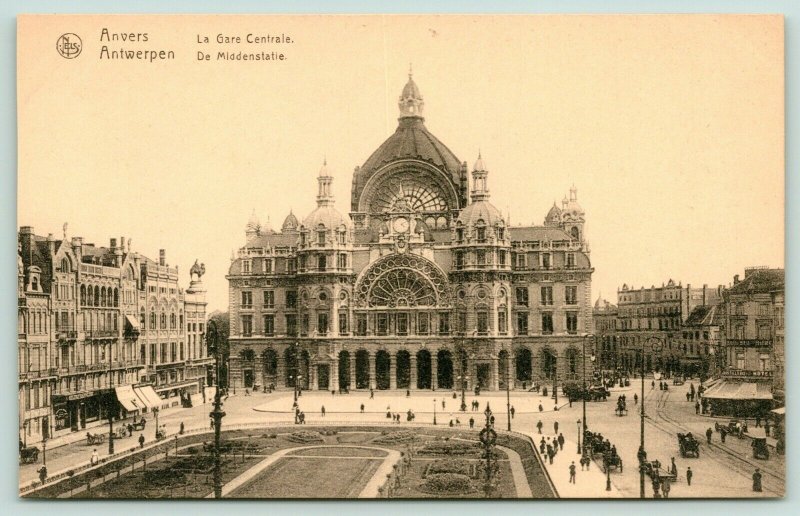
[29, 455]
[689, 446]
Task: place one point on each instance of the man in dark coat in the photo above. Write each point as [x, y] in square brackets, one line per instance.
[689, 476]
[722, 434]
[709, 432]
[561, 441]
[757, 481]
[572, 472]
[539, 426]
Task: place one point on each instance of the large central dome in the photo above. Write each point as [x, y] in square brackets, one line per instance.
[411, 141]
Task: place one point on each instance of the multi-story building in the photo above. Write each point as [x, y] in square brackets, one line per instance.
[696, 348]
[86, 340]
[424, 285]
[752, 314]
[659, 312]
[604, 317]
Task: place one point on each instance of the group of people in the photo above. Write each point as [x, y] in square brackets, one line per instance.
[551, 446]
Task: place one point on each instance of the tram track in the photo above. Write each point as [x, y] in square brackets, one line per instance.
[719, 454]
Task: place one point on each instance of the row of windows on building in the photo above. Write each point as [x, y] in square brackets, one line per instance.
[482, 257]
[480, 232]
[671, 323]
[401, 323]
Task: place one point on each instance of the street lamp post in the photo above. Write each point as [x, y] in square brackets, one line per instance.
[508, 396]
[579, 437]
[434, 411]
[488, 437]
[464, 380]
[584, 393]
[213, 346]
[656, 346]
[555, 381]
[44, 451]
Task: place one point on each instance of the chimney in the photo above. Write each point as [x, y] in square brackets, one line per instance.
[736, 279]
[26, 239]
[113, 244]
[162, 257]
[51, 244]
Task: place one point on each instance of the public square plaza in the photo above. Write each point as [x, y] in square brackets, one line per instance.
[353, 451]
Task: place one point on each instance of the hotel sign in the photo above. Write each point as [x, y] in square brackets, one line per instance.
[744, 373]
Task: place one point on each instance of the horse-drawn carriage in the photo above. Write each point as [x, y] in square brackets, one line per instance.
[596, 393]
[612, 462]
[654, 470]
[161, 434]
[139, 425]
[95, 438]
[734, 426]
[28, 455]
[688, 445]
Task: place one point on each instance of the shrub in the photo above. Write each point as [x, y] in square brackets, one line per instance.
[164, 477]
[447, 466]
[304, 436]
[403, 436]
[447, 483]
[449, 448]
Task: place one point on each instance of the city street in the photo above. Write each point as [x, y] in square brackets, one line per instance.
[721, 470]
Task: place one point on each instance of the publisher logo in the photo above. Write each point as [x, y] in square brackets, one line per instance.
[69, 45]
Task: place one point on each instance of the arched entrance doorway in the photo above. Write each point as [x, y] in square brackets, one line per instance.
[382, 369]
[444, 370]
[424, 369]
[573, 369]
[362, 369]
[344, 370]
[270, 368]
[522, 363]
[290, 359]
[403, 359]
[549, 363]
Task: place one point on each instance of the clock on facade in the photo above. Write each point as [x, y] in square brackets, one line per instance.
[401, 224]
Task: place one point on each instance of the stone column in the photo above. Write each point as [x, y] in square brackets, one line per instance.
[393, 371]
[413, 377]
[258, 374]
[434, 371]
[280, 372]
[372, 370]
[353, 371]
[334, 374]
[495, 374]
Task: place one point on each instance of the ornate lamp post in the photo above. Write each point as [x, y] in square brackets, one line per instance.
[464, 379]
[44, 451]
[488, 437]
[579, 437]
[555, 381]
[212, 337]
[584, 393]
[607, 458]
[656, 347]
[508, 396]
[434, 411]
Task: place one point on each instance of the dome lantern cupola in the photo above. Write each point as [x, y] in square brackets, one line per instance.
[253, 227]
[324, 195]
[290, 223]
[480, 192]
[410, 102]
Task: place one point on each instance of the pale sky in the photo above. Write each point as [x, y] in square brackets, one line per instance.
[671, 128]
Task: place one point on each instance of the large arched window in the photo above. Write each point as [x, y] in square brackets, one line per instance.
[83, 294]
[400, 281]
[163, 318]
[172, 321]
[96, 296]
[152, 320]
[65, 265]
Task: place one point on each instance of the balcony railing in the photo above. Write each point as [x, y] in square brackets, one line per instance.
[750, 343]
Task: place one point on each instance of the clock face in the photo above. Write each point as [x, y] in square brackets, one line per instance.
[401, 225]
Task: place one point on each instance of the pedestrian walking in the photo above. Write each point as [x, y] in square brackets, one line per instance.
[665, 488]
[512, 411]
[180, 431]
[542, 446]
[673, 469]
[541, 409]
[371, 393]
[95, 457]
[443, 405]
[572, 472]
[550, 452]
[709, 432]
[130, 429]
[689, 476]
[362, 408]
[652, 385]
[687, 396]
[766, 426]
[408, 393]
[42, 474]
[539, 426]
[758, 421]
[323, 411]
[471, 422]
[555, 427]
[757, 481]
[635, 399]
[561, 441]
[722, 434]
[696, 407]
[141, 439]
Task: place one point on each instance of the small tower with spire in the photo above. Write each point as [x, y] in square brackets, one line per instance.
[253, 227]
[324, 178]
[480, 191]
[410, 103]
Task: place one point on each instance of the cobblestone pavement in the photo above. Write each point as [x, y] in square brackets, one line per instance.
[720, 471]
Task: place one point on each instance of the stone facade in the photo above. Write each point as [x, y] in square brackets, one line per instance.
[93, 319]
[423, 286]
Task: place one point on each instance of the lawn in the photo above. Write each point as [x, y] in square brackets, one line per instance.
[292, 477]
[338, 452]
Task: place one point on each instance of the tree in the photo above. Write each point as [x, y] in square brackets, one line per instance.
[223, 330]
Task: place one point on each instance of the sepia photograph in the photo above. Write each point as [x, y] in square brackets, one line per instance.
[400, 257]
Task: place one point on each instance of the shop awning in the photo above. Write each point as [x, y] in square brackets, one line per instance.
[726, 390]
[132, 321]
[711, 382]
[148, 396]
[781, 411]
[128, 398]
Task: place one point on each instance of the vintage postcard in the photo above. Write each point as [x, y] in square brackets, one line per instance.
[352, 257]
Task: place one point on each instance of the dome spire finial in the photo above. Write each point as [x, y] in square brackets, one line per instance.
[410, 102]
[410, 70]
